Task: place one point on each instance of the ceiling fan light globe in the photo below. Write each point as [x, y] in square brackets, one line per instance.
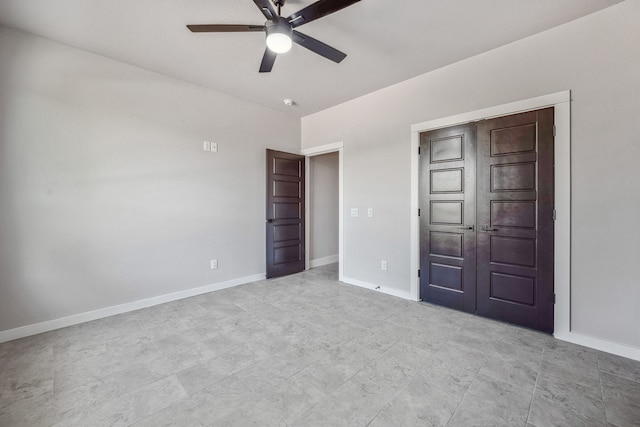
[279, 43]
[279, 34]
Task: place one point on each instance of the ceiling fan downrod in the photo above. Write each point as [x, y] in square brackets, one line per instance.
[279, 4]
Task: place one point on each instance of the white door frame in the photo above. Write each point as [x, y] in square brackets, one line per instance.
[562, 228]
[316, 151]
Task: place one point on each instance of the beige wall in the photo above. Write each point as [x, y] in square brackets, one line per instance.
[106, 195]
[596, 58]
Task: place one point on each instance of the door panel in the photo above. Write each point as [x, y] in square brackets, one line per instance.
[515, 214]
[518, 177]
[285, 213]
[446, 276]
[447, 246]
[512, 251]
[447, 212]
[511, 288]
[515, 219]
[447, 181]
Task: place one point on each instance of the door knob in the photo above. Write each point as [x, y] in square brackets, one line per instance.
[466, 227]
[486, 228]
[270, 220]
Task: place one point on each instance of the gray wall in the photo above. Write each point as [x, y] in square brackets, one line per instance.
[323, 198]
[106, 195]
[597, 59]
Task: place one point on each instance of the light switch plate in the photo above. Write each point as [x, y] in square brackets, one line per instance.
[354, 212]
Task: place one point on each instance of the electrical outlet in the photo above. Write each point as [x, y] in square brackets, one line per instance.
[383, 265]
[214, 264]
[214, 147]
[370, 212]
[206, 145]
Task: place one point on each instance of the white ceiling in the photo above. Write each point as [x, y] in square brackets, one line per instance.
[386, 41]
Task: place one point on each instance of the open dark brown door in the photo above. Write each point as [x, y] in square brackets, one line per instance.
[515, 219]
[447, 217]
[285, 213]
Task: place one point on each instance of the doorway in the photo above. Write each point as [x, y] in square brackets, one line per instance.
[335, 147]
[323, 207]
[486, 231]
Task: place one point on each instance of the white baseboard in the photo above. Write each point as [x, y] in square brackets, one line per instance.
[600, 344]
[319, 262]
[63, 322]
[383, 289]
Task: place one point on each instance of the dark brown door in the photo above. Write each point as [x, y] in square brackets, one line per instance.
[447, 217]
[515, 219]
[497, 177]
[285, 213]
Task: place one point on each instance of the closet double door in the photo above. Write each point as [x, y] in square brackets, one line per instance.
[486, 218]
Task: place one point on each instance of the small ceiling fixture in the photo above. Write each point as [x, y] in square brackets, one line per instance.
[280, 31]
[279, 35]
[288, 102]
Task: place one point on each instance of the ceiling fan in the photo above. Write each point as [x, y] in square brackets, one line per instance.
[280, 31]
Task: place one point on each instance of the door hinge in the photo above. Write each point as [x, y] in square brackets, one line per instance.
[418, 211]
[418, 273]
[418, 151]
[554, 298]
[554, 214]
[554, 130]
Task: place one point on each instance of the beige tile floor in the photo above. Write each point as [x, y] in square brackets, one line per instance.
[306, 350]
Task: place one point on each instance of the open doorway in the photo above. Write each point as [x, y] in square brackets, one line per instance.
[324, 207]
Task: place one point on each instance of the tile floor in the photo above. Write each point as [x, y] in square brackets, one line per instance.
[306, 350]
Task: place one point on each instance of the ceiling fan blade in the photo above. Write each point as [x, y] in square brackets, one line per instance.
[224, 28]
[318, 47]
[267, 61]
[266, 7]
[317, 10]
